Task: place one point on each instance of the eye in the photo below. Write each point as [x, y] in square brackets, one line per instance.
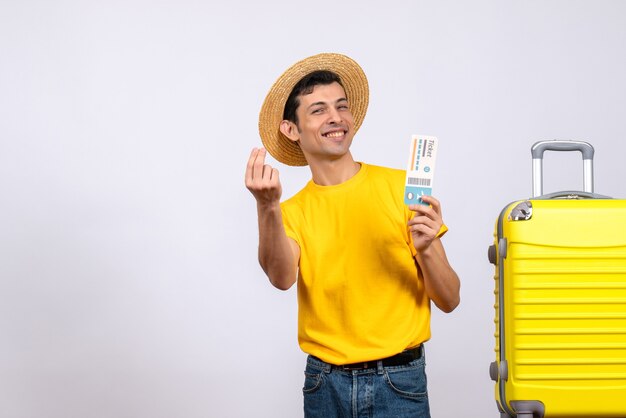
[317, 110]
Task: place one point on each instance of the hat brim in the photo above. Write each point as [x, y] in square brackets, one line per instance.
[271, 115]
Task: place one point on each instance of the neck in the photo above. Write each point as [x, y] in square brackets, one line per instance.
[333, 172]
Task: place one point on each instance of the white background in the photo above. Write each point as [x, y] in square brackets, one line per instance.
[129, 285]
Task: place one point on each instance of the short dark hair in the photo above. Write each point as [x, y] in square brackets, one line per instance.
[305, 86]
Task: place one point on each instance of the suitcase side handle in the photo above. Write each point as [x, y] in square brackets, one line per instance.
[540, 147]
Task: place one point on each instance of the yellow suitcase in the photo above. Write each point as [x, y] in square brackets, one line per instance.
[560, 300]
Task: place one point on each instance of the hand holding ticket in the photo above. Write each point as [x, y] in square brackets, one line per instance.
[421, 169]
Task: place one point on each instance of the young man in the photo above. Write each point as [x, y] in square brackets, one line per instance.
[367, 266]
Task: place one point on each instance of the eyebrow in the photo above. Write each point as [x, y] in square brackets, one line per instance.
[343, 99]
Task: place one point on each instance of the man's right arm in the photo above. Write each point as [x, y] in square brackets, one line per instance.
[278, 254]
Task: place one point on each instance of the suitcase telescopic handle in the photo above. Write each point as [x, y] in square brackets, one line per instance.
[540, 147]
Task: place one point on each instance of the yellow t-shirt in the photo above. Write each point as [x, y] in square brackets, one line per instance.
[360, 294]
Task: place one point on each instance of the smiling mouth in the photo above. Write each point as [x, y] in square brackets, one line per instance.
[335, 134]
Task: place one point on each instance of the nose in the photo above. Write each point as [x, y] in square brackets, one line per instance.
[334, 116]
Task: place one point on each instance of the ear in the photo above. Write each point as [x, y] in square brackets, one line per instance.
[290, 130]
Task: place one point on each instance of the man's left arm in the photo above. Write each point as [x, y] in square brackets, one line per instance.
[441, 281]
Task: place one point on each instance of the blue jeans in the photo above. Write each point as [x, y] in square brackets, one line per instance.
[379, 392]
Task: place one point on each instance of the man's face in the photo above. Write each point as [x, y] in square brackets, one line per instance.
[325, 123]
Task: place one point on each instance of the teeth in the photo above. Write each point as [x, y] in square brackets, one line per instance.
[334, 134]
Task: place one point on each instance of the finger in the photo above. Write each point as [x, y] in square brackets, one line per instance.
[275, 176]
[419, 207]
[424, 220]
[274, 180]
[267, 172]
[433, 212]
[433, 202]
[250, 165]
[423, 210]
[259, 162]
[422, 229]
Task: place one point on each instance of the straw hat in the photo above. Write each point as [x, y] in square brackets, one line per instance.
[353, 80]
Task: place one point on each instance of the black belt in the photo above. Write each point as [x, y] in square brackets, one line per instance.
[401, 359]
